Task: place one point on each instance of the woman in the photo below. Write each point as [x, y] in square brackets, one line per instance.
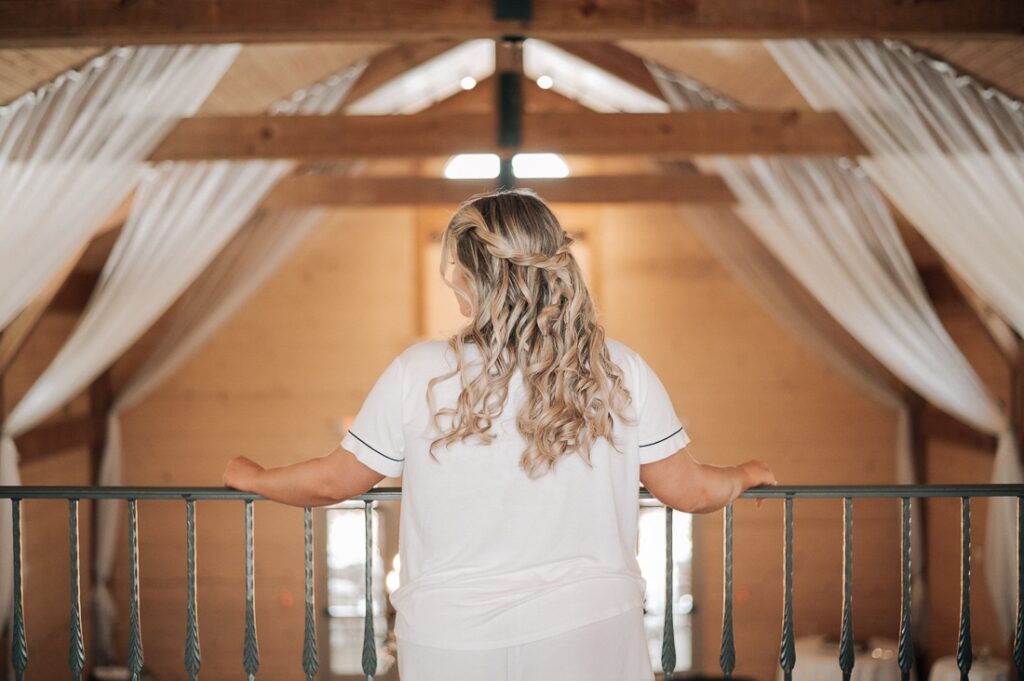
[522, 442]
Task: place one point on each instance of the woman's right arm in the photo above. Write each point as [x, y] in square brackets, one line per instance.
[685, 484]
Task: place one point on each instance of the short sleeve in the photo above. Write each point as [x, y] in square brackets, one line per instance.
[376, 437]
[660, 432]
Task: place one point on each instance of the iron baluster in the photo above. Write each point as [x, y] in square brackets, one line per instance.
[906, 644]
[668, 634]
[846, 657]
[964, 655]
[135, 656]
[727, 655]
[369, 638]
[76, 643]
[251, 647]
[310, 658]
[1018, 641]
[19, 642]
[193, 657]
[787, 651]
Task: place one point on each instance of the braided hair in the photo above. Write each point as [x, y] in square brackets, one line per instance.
[531, 312]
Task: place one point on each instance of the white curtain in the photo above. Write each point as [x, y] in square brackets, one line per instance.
[255, 251]
[263, 244]
[72, 150]
[828, 224]
[69, 153]
[950, 154]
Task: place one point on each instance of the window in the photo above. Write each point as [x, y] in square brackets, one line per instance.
[651, 556]
[346, 592]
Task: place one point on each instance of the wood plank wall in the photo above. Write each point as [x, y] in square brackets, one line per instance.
[275, 381]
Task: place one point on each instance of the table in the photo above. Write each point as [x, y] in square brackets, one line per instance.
[818, 660]
[983, 669]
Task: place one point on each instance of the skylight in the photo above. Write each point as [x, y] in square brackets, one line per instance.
[488, 166]
[472, 167]
[539, 165]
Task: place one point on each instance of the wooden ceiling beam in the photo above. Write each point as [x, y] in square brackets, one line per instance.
[101, 22]
[334, 190]
[58, 436]
[393, 62]
[612, 59]
[691, 133]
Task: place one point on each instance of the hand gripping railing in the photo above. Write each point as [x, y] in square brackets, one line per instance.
[310, 663]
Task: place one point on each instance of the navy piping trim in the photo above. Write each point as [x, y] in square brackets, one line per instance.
[373, 448]
[649, 444]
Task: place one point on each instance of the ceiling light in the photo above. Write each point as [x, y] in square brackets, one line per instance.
[468, 82]
[472, 167]
[545, 82]
[539, 165]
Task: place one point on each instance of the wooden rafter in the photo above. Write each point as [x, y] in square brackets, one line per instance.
[334, 190]
[99, 22]
[612, 59]
[393, 62]
[431, 134]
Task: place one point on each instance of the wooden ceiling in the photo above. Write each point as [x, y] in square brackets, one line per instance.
[89, 22]
[266, 72]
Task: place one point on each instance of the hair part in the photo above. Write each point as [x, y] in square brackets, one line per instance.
[530, 310]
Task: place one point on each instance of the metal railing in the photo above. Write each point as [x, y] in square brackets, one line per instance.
[310, 660]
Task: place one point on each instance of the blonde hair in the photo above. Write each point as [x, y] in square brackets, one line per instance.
[530, 311]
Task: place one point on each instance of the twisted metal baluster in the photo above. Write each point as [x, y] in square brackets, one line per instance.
[1018, 641]
[846, 636]
[310, 658]
[787, 651]
[369, 638]
[193, 657]
[135, 656]
[19, 642]
[727, 655]
[964, 656]
[76, 644]
[906, 645]
[251, 647]
[668, 634]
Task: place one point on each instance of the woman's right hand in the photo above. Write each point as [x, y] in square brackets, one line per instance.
[755, 474]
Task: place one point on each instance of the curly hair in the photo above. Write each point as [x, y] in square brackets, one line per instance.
[531, 311]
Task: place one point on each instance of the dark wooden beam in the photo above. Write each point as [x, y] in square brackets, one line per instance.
[938, 425]
[429, 134]
[333, 190]
[56, 437]
[74, 293]
[103, 22]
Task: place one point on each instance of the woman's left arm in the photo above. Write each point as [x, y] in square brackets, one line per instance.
[317, 482]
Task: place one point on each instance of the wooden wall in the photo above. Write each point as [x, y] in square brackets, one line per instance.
[275, 382]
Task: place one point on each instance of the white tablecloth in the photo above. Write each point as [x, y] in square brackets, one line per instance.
[983, 669]
[818, 660]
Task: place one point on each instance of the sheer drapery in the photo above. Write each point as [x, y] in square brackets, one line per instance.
[69, 154]
[948, 152]
[950, 155]
[245, 263]
[825, 221]
[253, 253]
[72, 150]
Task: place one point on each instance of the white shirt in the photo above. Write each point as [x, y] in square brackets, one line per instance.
[489, 557]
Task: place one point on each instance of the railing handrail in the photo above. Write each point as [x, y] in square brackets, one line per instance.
[394, 493]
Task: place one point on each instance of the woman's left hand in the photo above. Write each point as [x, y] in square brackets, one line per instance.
[240, 473]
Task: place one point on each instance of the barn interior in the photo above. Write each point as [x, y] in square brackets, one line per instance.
[808, 221]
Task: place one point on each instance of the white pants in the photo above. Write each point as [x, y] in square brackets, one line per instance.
[612, 649]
